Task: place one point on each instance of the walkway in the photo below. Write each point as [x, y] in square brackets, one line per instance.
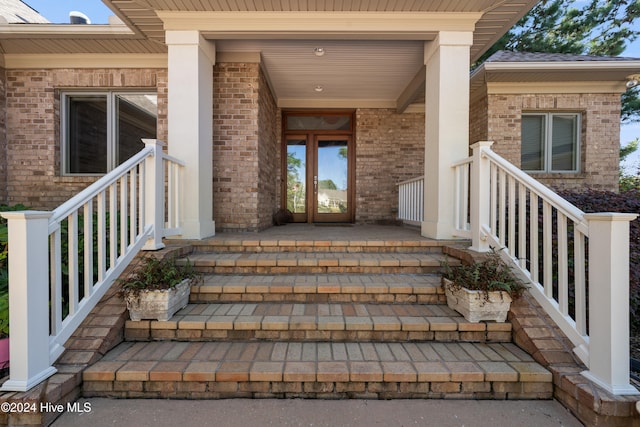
[319, 413]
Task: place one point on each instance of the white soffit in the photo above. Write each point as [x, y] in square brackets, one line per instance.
[365, 73]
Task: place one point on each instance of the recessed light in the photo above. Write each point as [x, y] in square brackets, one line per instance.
[318, 88]
[319, 51]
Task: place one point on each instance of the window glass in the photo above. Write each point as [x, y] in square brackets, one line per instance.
[329, 122]
[532, 143]
[564, 141]
[102, 130]
[137, 116]
[296, 175]
[87, 139]
[550, 142]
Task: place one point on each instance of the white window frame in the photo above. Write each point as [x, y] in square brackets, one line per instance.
[112, 123]
[548, 138]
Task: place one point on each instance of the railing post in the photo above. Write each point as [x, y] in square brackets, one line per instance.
[609, 301]
[480, 196]
[28, 299]
[154, 194]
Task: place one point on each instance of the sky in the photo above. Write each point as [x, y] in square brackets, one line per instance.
[57, 11]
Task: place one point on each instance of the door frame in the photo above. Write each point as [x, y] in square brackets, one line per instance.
[311, 138]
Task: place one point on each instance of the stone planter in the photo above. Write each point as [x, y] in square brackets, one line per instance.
[475, 305]
[158, 304]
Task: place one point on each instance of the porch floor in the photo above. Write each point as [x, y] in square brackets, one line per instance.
[328, 232]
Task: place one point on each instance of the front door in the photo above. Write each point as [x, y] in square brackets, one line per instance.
[318, 172]
[318, 178]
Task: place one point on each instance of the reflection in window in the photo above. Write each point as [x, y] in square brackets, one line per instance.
[332, 176]
[296, 175]
[550, 142]
[102, 130]
[329, 122]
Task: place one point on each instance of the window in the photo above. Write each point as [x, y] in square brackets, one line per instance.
[100, 130]
[550, 142]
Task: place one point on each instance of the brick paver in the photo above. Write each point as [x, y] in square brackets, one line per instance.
[318, 317]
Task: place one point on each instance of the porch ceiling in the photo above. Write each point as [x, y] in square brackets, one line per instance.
[352, 74]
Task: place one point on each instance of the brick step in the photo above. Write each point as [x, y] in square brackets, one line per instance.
[315, 262]
[317, 322]
[323, 246]
[211, 370]
[380, 288]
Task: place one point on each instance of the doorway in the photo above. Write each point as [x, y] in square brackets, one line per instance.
[318, 168]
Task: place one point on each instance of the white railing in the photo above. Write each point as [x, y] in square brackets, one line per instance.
[550, 243]
[461, 208]
[54, 286]
[410, 200]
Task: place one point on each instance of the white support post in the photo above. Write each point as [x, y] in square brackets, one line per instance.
[480, 196]
[609, 302]
[154, 194]
[190, 115]
[447, 127]
[28, 300]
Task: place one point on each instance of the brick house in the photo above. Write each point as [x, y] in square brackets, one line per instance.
[53, 72]
[323, 108]
[582, 91]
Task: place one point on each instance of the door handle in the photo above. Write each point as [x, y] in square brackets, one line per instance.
[315, 183]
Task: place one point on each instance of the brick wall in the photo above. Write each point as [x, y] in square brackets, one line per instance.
[389, 149]
[268, 153]
[600, 135]
[3, 136]
[33, 128]
[478, 114]
[235, 146]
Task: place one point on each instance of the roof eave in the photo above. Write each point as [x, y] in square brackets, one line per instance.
[64, 31]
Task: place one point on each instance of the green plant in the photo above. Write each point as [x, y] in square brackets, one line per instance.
[4, 314]
[151, 273]
[490, 274]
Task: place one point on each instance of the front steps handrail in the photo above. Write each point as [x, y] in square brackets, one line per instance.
[508, 211]
[54, 286]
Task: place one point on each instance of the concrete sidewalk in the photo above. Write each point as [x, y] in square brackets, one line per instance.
[317, 413]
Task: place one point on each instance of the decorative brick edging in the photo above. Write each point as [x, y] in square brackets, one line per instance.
[102, 330]
[536, 333]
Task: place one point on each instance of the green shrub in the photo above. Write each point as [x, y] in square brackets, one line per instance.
[625, 201]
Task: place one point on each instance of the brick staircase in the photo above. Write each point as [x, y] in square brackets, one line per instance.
[318, 319]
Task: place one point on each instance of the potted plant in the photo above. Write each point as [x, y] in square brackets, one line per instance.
[4, 320]
[157, 288]
[482, 290]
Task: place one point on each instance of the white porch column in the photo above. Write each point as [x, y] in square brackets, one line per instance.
[447, 126]
[29, 350]
[190, 115]
[609, 302]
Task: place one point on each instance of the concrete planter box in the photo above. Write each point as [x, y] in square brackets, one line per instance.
[475, 305]
[160, 305]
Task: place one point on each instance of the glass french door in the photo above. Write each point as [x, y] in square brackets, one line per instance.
[318, 177]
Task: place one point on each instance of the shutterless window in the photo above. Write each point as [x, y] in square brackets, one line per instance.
[550, 142]
[102, 130]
